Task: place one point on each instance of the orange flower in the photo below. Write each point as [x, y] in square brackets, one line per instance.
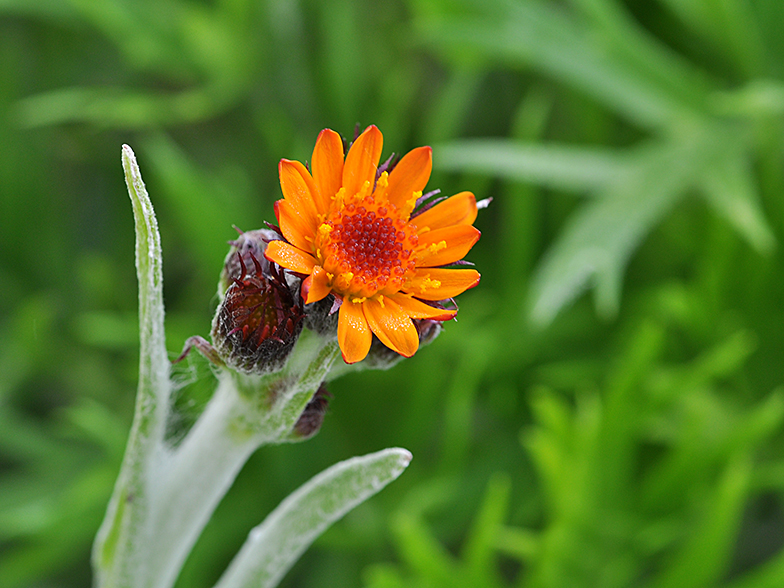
[351, 231]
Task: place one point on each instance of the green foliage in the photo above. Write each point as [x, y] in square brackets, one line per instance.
[696, 136]
[632, 148]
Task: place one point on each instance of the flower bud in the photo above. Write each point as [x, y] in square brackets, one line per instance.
[259, 319]
[311, 418]
[250, 244]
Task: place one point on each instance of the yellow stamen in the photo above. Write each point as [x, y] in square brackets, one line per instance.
[436, 247]
[343, 281]
[339, 198]
[365, 190]
[429, 284]
[408, 207]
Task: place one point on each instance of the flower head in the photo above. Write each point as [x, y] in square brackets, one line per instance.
[258, 320]
[354, 230]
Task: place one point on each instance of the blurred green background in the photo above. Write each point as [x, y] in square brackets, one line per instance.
[608, 409]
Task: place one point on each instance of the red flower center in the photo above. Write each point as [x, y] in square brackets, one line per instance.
[368, 247]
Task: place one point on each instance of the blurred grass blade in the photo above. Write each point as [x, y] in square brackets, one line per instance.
[114, 108]
[620, 30]
[555, 166]
[598, 241]
[479, 551]
[707, 553]
[730, 26]
[521, 544]
[273, 546]
[423, 553]
[721, 361]
[544, 36]
[761, 424]
[730, 189]
[548, 444]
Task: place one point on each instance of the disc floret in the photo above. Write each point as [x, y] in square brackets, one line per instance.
[367, 248]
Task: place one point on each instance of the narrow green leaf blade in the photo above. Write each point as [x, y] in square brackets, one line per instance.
[154, 383]
[549, 39]
[480, 549]
[554, 166]
[116, 541]
[422, 552]
[273, 546]
[730, 190]
[114, 107]
[706, 555]
[600, 238]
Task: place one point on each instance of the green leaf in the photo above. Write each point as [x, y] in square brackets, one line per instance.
[730, 189]
[706, 554]
[599, 239]
[547, 38]
[423, 553]
[124, 514]
[115, 107]
[521, 544]
[273, 546]
[555, 166]
[154, 383]
[479, 551]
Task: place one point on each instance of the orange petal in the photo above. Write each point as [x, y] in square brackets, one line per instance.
[440, 284]
[290, 257]
[392, 325]
[354, 335]
[327, 164]
[299, 189]
[445, 246]
[293, 226]
[417, 309]
[362, 160]
[316, 286]
[459, 209]
[410, 175]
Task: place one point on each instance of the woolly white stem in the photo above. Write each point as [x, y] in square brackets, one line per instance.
[190, 483]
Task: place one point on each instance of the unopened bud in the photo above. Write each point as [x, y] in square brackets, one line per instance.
[259, 319]
[249, 245]
[311, 418]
